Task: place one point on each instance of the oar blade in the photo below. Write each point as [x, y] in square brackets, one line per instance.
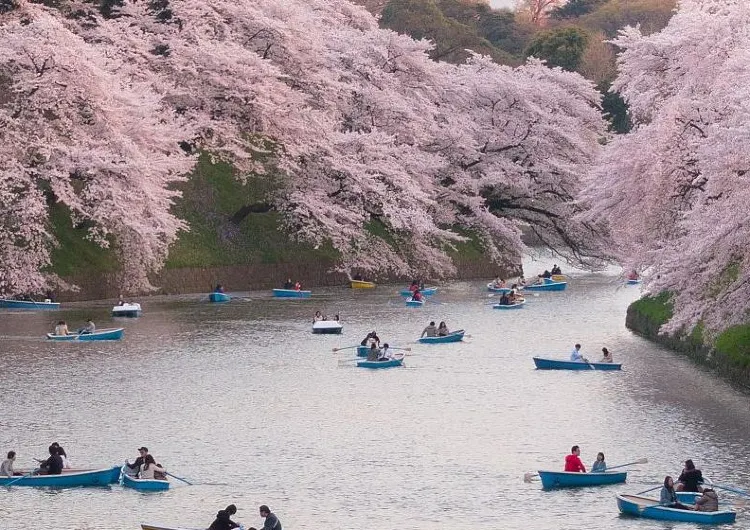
[529, 477]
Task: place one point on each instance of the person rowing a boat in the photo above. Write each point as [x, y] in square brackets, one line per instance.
[690, 478]
[373, 354]
[223, 519]
[573, 461]
[89, 328]
[288, 284]
[416, 296]
[556, 269]
[385, 354]
[430, 330]
[6, 468]
[136, 466]
[576, 355]
[61, 328]
[271, 521]
[372, 336]
[504, 299]
[219, 288]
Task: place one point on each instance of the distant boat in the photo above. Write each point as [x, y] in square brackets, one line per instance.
[99, 334]
[427, 291]
[380, 364]
[514, 305]
[455, 336]
[548, 285]
[493, 288]
[555, 364]
[131, 310]
[567, 479]
[291, 293]
[327, 327]
[361, 284]
[218, 298]
[129, 481]
[633, 282]
[67, 479]
[652, 509]
[27, 304]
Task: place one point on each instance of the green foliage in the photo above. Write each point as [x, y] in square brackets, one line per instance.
[576, 8]
[616, 111]
[734, 343]
[562, 47]
[657, 309]
[470, 250]
[651, 15]
[76, 254]
[728, 276]
[211, 198]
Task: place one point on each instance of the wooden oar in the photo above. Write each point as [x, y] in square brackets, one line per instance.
[395, 348]
[528, 477]
[641, 461]
[650, 489]
[179, 478]
[346, 348]
[19, 478]
[732, 489]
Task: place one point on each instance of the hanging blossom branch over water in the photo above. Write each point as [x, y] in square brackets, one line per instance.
[365, 130]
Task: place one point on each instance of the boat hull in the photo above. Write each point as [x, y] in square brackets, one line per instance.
[218, 298]
[414, 303]
[456, 336]
[380, 364]
[554, 364]
[558, 277]
[95, 477]
[327, 327]
[547, 286]
[428, 291]
[651, 509]
[144, 484]
[515, 305]
[491, 287]
[104, 334]
[145, 526]
[27, 305]
[566, 479]
[291, 293]
[634, 282]
[127, 310]
[362, 351]
[360, 284]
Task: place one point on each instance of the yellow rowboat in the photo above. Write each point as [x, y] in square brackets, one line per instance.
[359, 284]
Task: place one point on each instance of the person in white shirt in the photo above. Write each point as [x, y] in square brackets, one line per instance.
[385, 355]
[6, 468]
[576, 355]
[150, 470]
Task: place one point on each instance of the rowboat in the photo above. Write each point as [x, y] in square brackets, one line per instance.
[362, 351]
[327, 327]
[127, 310]
[558, 277]
[634, 282]
[548, 285]
[129, 481]
[515, 305]
[67, 479]
[145, 526]
[455, 336]
[380, 364]
[100, 334]
[567, 479]
[218, 298]
[427, 291]
[414, 303]
[556, 364]
[27, 304]
[491, 287]
[361, 284]
[291, 293]
[651, 509]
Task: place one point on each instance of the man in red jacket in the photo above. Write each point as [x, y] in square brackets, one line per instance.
[573, 461]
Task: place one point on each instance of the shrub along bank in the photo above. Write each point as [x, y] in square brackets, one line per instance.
[727, 353]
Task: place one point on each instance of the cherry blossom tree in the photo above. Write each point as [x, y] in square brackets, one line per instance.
[673, 191]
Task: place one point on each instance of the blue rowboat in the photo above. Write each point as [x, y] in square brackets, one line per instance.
[515, 305]
[427, 291]
[217, 298]
[548, 285]
[555, 364]
[100, 334]
[327, 327]
[362, 351]
[129, 481]
[491, 287]
[651, 509]
[567, 479]
[291, 293]
[456, 336]
[380, 364]
[634, 282]
[68, 479]
[27, 304]
[414, 303]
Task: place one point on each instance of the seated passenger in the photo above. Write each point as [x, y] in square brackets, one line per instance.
[53, 465]
[606, 356]
[318, 317]
[385, 354]
[6, 468]
[373, 353]
[416, 296]
[430, 330]
[150, 470]
[288, 284]
[61, 328]
[223, 520]
[690, 478]
[219, 288]
[668, 496]
[600, 466]
[442, 330]
[504, 299]
[370, 336]
[708, 502]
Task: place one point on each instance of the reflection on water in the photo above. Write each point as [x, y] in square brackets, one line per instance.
[243, 399]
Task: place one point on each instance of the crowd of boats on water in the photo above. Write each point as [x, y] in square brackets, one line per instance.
[691, 498]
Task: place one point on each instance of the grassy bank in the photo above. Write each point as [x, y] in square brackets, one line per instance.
[727, 353]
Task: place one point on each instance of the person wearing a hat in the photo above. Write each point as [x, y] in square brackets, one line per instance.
[272, 522]
[135, 466]
[223, 521]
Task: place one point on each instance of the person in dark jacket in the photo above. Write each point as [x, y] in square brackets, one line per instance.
[135, 466]
[371, 336]
[271, 521]
[708, 502]
[690, 478]
[53, 465]
[223, 519]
